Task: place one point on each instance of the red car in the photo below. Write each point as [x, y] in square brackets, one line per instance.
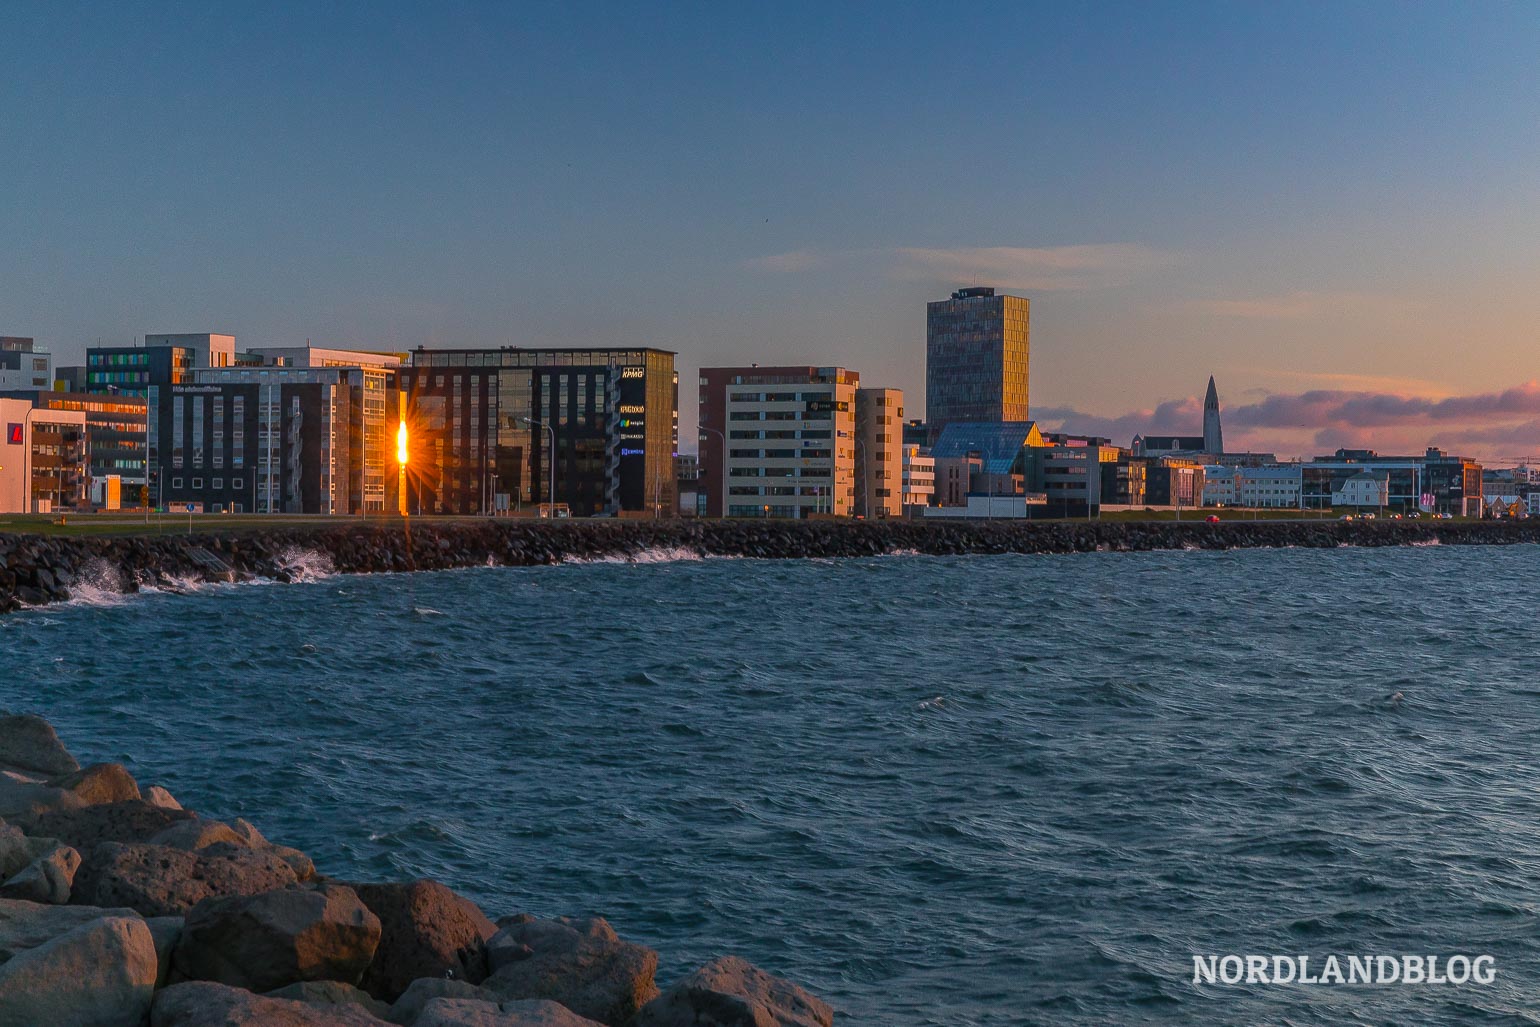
[1212, 518]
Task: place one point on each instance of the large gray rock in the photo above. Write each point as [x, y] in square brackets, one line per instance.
[426, 931]
[30, 743]
[420, 992]
[15, 853]
[451, 1012]
[46, 879]
[26, 925]
[133, 820]
[262, 942]
[167, 931]
[205, 1004]
[100, 974]
[25, 797]
[731, 992]
[160, 881]
[331, 993]
[155, 795]
[580, 963]
[197, 833]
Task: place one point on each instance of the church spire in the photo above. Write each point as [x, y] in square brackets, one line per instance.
[1213, 437]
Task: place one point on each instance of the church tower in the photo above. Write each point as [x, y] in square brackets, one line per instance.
[1213, 438]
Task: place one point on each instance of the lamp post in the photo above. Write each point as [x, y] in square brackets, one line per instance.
[724, 463]
[551, 499]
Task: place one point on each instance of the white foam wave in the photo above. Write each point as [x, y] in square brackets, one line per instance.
[652, 554]
[100, 584]
[306, 564]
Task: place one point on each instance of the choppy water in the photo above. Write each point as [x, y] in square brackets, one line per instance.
[982, 790]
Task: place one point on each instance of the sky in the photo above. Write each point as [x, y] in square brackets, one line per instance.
[1331, 208]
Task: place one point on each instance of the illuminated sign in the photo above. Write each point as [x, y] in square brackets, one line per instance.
[13, 434]
[632, 408]
[633, 452]
[633, 372]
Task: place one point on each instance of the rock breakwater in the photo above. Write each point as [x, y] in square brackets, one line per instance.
[119, 908]
[37, 569]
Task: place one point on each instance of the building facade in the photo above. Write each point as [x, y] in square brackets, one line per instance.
[790, 435]
[24, 367]
[44, 460]
[976, 356]
[115, 436]
[879, 453]
[491, 428]
[919, 481]
[290, 440]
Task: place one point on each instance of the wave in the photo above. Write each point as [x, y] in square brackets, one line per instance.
[302, 564]
[652, 554]
[100, 584]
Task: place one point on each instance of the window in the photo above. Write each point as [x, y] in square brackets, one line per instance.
[237, 483]
[176, 483]
[219, 483]
[197, 483]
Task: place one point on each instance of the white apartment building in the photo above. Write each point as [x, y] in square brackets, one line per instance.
[1220, 485]
[1277, 487]
[791, 442]
[919, 477]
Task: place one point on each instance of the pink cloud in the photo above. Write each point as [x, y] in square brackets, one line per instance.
[1490, 425]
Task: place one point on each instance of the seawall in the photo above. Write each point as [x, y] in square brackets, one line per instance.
[38, 569]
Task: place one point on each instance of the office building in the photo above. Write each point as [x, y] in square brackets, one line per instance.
[1435, 482]
[115, 437]
[487, 426]
[879, 453]
[24, 367]
[273, 439]
[161, 360]
[790, 440]
[976, 350]
[44, 465]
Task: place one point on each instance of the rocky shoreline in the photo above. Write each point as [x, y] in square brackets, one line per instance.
[119, 908]
[38, 569]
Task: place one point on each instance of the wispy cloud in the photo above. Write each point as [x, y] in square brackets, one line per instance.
[1489, 425]
[1305, 305]
[1038, 269]
[793, 261]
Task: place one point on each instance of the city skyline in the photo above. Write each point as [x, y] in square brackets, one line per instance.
[1323, 233]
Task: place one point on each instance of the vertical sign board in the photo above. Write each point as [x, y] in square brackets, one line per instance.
[632, 418]
[15, 434]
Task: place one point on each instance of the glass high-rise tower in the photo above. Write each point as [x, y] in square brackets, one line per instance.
[976, 346]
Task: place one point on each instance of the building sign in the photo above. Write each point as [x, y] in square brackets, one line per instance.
[633, 372]
[14, 434]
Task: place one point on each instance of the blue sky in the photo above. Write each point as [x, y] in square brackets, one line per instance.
[1300, 199]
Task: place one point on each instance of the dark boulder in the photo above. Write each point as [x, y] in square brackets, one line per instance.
[266, 941]
[426, 930]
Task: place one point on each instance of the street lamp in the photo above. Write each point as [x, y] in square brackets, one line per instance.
[551, 499]
[719, 435]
